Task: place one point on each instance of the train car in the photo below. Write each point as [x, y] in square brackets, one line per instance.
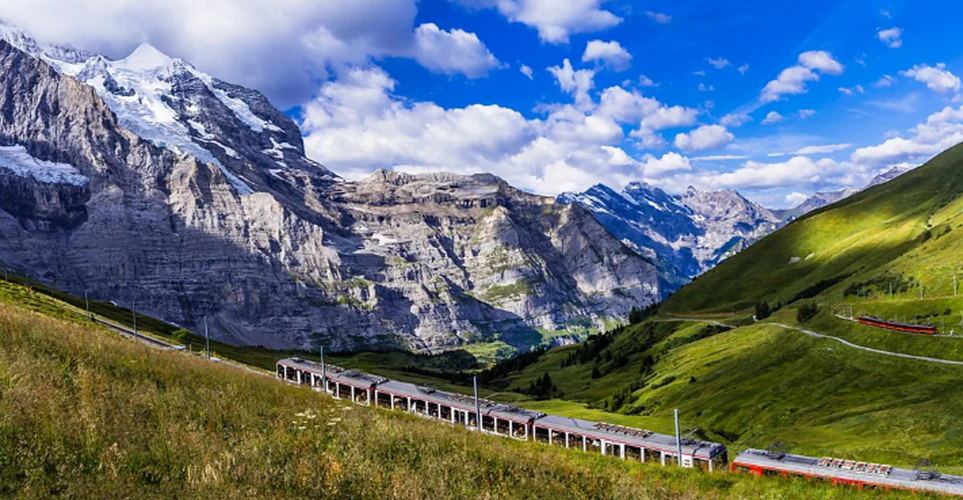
[898, 327]
[861, 475]
[502, 419]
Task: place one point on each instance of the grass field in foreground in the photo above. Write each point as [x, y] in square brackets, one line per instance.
[86, 414]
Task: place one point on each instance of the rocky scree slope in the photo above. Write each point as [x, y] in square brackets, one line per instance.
[148, 182]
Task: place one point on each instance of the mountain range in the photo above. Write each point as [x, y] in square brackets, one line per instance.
[688, 234]
[150, 183]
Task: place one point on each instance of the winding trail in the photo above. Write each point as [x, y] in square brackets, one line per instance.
[837, 339]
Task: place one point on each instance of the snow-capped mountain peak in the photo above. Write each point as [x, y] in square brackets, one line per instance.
[145, 58]
[172, 104]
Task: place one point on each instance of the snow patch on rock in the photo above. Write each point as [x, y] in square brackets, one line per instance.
[17, 160]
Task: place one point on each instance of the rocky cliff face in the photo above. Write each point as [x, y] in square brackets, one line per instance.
[685, 235]
[147, 181]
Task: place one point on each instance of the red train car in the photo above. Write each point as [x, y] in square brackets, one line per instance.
[898, 327]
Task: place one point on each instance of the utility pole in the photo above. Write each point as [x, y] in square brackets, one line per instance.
[207, 338]
[87, 301]
[921, 289]
[478, 420]
[324, 372]
[678, 438]
[133, 310]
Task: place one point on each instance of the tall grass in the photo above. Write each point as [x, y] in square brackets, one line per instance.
[86, 414]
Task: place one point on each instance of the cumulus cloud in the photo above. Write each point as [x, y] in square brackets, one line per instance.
[735, 119]
[892, 37]
[773, 118]
[795, 199]
[356, 125]
[647, 82]
[805, 113]
[793, 80]
[704, 138]
[941, 131]
[576, 82]
[937, 79]
[611, 54]
[670, 162]
[742, 69]
[555, 21]
[658, 17]
[281, 49]
[452, 52]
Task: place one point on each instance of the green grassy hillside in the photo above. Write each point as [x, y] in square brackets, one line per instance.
[756, 384]
[902, 232]
[86, 414]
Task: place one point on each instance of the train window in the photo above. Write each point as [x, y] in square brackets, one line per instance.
[770, 472]
[743, 468]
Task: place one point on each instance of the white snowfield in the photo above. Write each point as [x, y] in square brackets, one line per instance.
[16, 159]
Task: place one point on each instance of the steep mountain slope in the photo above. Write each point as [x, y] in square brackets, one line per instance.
[906, 228]
[156, 184]
[685, 235]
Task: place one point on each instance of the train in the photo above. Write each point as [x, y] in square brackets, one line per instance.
[898, 327]
[621, 442]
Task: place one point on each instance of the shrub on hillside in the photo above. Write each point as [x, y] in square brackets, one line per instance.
[807, 312]
[762, 311]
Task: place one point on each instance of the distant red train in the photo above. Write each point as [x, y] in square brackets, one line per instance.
[898, 327]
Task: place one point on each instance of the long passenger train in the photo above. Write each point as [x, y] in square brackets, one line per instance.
[898, 327]
[596, 437]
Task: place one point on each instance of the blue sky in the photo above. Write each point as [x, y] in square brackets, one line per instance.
[774, 99]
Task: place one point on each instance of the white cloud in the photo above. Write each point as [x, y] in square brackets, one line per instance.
[795, 199]
[719, 158]
[858, 89]
[706, 88]
[527, 71]
[356, 125]
[647, 82]
[704, 138]
[554, 20]
[670, 117]
[659, 18]
[829, 148]
[735, 119]
[793, 80]
[793, 172]
[282, 49]
[612, 54]
[718, 63]
[938, 78]
[773, 118]
[892, 37]
[742, 69]
[670, 162]
[699, 73]
[822, 61]
[941, 131]
[577, 83]
[906, 104]
[885, 81]
[451, 52]
[805, 113]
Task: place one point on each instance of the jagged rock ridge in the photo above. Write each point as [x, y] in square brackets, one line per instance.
[685, 235]
[193, 197]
